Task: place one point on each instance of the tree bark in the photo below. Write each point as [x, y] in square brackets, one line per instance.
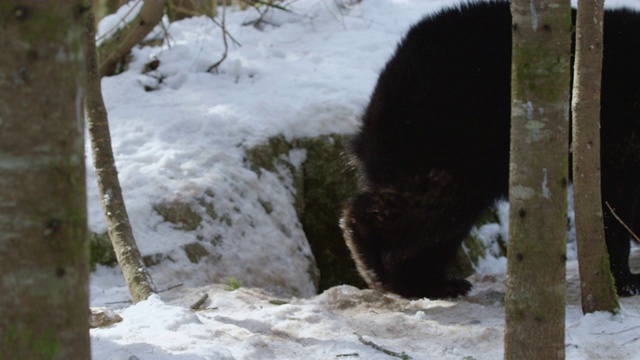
[119, 44]
[44, 269]
[538, 179]
[135, 273]
[596, 281]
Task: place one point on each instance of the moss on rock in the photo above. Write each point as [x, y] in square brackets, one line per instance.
[267, 156]
[195, 252]
[101, 250]
[328, 183]
[273, 156]
[474, 247]
[179, 213]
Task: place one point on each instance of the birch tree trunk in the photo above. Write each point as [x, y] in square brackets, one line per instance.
[538, 179]
[596, 281]
[135, 273]
[44, 271]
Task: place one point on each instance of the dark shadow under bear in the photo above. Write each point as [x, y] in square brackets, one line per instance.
[433, 149]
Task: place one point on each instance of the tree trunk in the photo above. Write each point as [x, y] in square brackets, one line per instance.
[119, 44]
[44, 270]
[596, 281]
[536, 292]
[135, 273]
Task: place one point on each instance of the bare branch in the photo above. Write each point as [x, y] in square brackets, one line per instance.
[401, 355]
[622, 222]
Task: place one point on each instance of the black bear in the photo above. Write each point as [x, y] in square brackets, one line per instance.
[433, 148]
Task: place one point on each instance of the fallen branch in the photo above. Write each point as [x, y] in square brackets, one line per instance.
[171, 287]
[118, 302]
[200, 301]
[401, 355]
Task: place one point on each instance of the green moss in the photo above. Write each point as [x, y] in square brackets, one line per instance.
[267, 156]
[605, 269]
[328, 182]
[179, 213]
[543, 70]
[23, 344]
[551, 78]
[101, 251]
[278, 302]
[195, 252]
[155, 259]
[38, 24]
[233, 284]
[226, 220]
[463, 264]
[266, 205]
[465, 261]
[216, 240]
[273, 157]
[208, 207]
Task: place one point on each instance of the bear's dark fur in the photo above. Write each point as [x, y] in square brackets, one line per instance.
[433, 149]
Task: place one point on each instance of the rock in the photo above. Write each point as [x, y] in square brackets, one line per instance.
[102, 317]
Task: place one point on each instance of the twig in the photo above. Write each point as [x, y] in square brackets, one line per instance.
[118, 302]
[618, 332]
[401, 355]
[622, 222]
[225, 33]
[171, 287]
[200, 301]
[271, 4]
[630, 341]
[263, 12]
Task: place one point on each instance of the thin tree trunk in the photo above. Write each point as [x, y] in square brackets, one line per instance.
[119, 44]
[596, 281]
[536, 292]
[44, 266]
[135, 273]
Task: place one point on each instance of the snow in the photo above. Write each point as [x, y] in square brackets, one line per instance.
[303, 73]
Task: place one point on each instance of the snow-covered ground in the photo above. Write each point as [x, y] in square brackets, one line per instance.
[304, 73]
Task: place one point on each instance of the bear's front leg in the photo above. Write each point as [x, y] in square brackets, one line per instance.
[405, 242]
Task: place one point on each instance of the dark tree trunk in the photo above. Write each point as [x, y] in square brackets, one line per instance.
[44, 270]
